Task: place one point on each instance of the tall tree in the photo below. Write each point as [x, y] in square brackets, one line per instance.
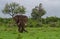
[13, 8]
[38, 12]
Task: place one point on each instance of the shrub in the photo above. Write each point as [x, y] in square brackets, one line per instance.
[39, 25]
[52, 24]
[55, 24]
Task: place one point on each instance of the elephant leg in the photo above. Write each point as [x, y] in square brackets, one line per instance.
[23, 28]
[19, 28]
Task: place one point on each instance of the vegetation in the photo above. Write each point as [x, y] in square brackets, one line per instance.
[13, 9]
[38, 12]
[38, 27]
[49, 22]
[33, 33]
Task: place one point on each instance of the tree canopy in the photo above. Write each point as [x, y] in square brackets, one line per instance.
[38, 12]
[13, 9]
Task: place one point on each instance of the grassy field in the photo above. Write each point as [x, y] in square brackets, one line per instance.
[33, 33]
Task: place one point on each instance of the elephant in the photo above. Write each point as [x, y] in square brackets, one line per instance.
[21, 21]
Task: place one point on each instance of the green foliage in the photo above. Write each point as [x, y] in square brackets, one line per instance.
[38, 12]
[31, 23]
[19, 36]
[7, 22]
[51, 19]
[20, 10]
[39, 25]
[34, 13]
[13, 8]
[33, 33]
[55, 24]
[46, 22]
[34, 23]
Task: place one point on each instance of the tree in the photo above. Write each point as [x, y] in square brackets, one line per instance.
[13, 9]
[38, 12]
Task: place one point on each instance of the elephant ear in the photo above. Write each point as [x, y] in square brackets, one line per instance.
[16, 18]
[26, 18]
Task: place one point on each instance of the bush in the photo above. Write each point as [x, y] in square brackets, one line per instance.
[55, 24]
[29, 25]
[39, 25]
[52, 24]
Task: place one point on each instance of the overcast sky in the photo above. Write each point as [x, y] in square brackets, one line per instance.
[51, 6]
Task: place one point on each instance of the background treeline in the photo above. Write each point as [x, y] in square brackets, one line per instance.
[36, 19]
[46, 22]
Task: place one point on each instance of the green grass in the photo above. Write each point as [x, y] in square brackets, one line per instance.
[33, 33]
